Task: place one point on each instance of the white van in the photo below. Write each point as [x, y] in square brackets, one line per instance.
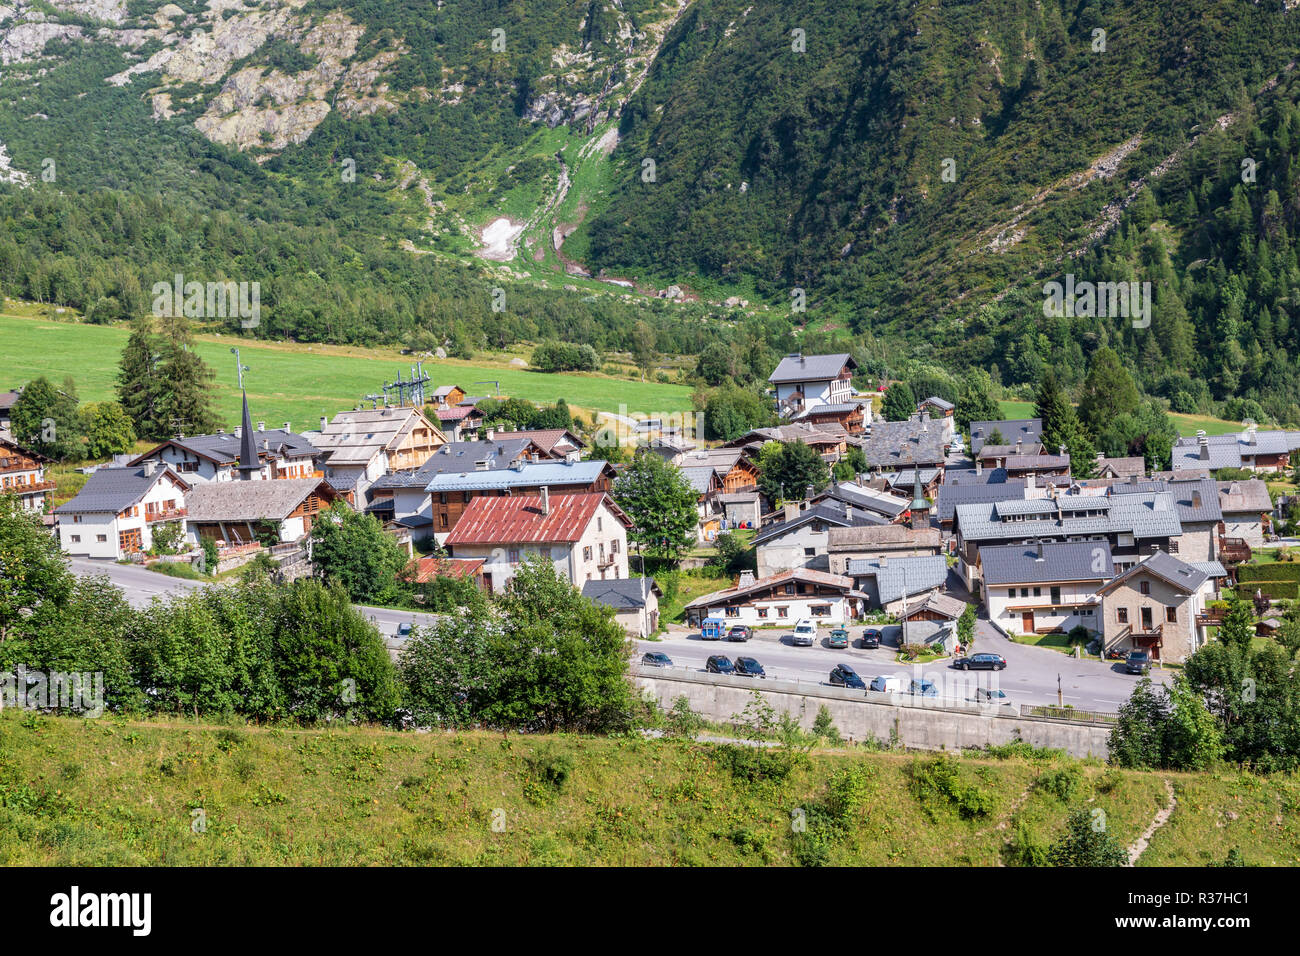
[886, 685]
[805, 634]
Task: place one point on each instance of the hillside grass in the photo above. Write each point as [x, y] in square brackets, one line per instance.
[115, 792]
[1186, 424]
[299, 383]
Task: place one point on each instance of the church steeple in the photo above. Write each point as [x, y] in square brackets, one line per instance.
[249, 464]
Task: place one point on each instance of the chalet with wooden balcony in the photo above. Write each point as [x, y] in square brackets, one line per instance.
[360, 446]
[804, 382]
[117, 510]
[22, 474]
[780, 599]
[233, 514]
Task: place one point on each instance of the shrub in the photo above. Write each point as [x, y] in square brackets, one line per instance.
[1025, 849]
[1062, 782]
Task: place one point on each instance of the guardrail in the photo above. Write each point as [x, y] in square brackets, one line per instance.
[1068, 713]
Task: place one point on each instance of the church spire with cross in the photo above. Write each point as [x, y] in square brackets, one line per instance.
[249, 464]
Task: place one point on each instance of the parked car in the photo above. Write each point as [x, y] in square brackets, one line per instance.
[887, 685]
[846, 676]
[656, 659]
[748, 667]
[839, 637]
[1137, 662]
[923, 688]
[871, 637]
[404, 629]
[805, 633]
[740, 632]
[717, 664]
[991, 695]
[982, 662]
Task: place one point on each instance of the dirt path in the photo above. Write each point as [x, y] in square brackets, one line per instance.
[1161, 818]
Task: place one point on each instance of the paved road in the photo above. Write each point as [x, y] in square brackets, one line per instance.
[1030, 677]
[141, 586]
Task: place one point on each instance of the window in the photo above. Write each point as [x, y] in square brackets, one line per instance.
[1146, 619]
[731, 611]
[545, 553]
[809, 552]
[76, 539]
[1038, 592]
[1144, 587]
[586, 553]
[1121, 615]
[1171, 615]
[514, 555]
[442, 520]
[789, 589]
[762, 612]
[1024, 592]
[600, 523]
[1056, 595]
[821, 610]
[101, 538]
[1011, 592]
[783, 612]
[613, 546]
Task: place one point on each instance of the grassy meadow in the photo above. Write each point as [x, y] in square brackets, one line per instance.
[299, 383]
[116, 792]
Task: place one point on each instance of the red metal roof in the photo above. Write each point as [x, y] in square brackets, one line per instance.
[426, 569]
[454, 414]
[518, 519]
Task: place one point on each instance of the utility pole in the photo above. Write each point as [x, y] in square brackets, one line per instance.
[491, 381]
[1060, 701]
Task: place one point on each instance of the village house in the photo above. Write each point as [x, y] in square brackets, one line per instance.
[780, 599]
[1039, 466]
[117, 510]
[1026, 431]
[735, 468]
[802, 538]
[22, 474]
[233, 514]
[1263, 451]
[550, 442]
[583, 535]
[940, 411]
[447, 396]
[460, 422]
[804, 382]
[1045, 587]
[852, 416]
[403, 496]
[7, 400]
[830, 441]
[897, 446]
[846, 545]
[1245, 506]
[962, 492]
[360, 446]
[451, 493]
[1134, 467]
[635, 602]
[892, 584]
[1199, 513]
[996, 456]
[740, 509]
[280, 454]
[1158, 605]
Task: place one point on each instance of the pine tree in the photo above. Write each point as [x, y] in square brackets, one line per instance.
[185, 400]
[1053, 408]
[138, 380]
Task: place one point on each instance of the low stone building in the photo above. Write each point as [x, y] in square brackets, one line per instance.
[1158, 605]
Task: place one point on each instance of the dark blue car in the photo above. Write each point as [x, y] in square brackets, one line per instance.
[717, 664]
[846, 676]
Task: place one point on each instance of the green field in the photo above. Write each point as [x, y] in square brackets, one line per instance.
[299, 383]
[114, 792]
[1187, 424]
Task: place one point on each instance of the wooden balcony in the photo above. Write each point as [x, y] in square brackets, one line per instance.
[1211, 618]
[172, 515]
[1234, 550]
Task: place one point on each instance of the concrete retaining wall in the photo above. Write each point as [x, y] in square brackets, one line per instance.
[861, 715]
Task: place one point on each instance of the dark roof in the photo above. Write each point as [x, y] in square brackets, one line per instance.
[937, 402]
[1026, 429]
[1061, 561]
[113, 490]
[457, 457]
[1184, 492]
[251, 500]
[223, 447]
[950, 496]
[811, 368]
[622, 594]
[895, 445]
[1181, 575]
[832, 512]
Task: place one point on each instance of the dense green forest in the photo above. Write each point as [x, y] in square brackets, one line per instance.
[795, 144]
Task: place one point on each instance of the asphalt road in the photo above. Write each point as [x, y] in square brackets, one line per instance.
[141, 586]
[1030, 676]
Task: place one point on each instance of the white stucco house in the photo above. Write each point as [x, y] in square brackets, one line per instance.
[115, 513]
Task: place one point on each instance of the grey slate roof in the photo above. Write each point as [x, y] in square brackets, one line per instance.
[1180, 574]
[700, 478]
[1244, 497]
[1227, 451]
[907, 477]
[1184, 492]
[456, 456]
[248, 500]
[1148, 515]
[622, 594]
[896, 445]
[1061, 561]
[223, 448]
[915, 574]
[113, 490]
[551, 473]
[1026, 429]
[879, 501]
[811, 368]
[831, 512]
[950, 496]
[937, 402]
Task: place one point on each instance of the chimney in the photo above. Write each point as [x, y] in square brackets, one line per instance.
[808, 492]
[745, 580]
[261, 426]
[323, 422]
[791, 510]
[848, 512]
[979, 466]
[1205, 449]
[883, 562]
[491, 434]
[286, 427]
[238, 432]
[546, 500]
[1040, 550]
[518, 464]
[221, 431]
[1031, 481]
[151, 466]
[1196, 498]
[1060, 450]
[1250, 433]
[1018, 443]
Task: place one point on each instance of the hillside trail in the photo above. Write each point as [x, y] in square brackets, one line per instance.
[1161, 818]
